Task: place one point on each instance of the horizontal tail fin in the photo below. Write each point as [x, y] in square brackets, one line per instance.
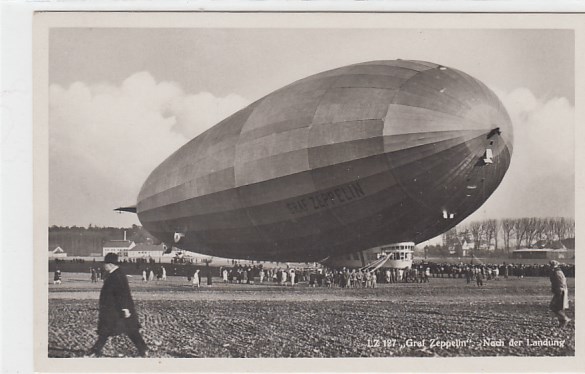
[131, 209]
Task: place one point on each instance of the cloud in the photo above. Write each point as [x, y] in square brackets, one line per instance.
[541, 177]
[194, 113]
[104, 139]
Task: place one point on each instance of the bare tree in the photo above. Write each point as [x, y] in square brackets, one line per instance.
[570, 228]
[507, 229]
[547, 229]
[491, 232]
[520, 228]
[476, 230]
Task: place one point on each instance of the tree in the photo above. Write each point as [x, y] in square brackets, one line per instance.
[520, 227]
[532, 230]
[507, 229]
[564, 228]
[491, 232]
[476, 230]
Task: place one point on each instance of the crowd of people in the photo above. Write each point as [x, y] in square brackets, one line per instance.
[447, 270]
[420, 272]
[321, 277]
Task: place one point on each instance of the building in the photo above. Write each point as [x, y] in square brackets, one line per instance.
[120, 247]
[544, 253]
[550, 244]
[547, 249]
[466, 247]
[147, 251]
[56, 251]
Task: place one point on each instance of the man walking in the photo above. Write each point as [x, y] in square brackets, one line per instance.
[560, 300]
[116, 309]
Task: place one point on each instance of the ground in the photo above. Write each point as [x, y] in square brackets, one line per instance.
[446, 317]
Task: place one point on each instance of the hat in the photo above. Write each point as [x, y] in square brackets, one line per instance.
[554, 263]
[111, 258]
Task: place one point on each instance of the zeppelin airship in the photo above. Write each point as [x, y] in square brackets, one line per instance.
[334, 164]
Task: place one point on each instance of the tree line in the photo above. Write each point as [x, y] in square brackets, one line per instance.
[82, 241]
[514, 233]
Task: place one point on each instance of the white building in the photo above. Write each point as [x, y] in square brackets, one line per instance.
[120, 247]
[147, 251]
[56, 251]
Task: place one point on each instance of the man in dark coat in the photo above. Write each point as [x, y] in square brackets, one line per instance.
[117, 314]
[560, 300]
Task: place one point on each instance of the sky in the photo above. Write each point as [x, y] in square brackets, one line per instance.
[122, 100]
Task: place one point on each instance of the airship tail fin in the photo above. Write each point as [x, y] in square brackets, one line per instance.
[131, 209]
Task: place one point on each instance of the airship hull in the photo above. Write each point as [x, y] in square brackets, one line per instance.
[342, 161]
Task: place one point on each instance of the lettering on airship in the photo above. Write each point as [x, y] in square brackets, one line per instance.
[328, 198]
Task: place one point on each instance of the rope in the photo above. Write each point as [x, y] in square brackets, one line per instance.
[375, 265]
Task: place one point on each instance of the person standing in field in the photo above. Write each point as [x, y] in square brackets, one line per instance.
[478, 278]
[57, 277]
[261, 275]
[117, 314]
[196, 280]
[560, 300]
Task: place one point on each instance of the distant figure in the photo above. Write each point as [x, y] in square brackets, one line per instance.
[208, 270]
[164, 273]
[368, 279]
[196, 280]
[292, 277]
[117, 314]
[359, 278]
[249, 275]
[478, 279]
[151, 276]
[560, 300]
[262, 274]
[283, 279]
[353, 278]
[144, 279]
[57, 277]
[374, 279]
[93, 275]
[225, 275]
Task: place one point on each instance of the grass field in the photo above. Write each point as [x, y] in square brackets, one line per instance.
[445, 317]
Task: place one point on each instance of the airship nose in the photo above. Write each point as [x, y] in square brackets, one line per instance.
[448, 140]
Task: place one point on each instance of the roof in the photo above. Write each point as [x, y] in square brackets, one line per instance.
[56, 249]
[117, 244]
[146, 247]
[540, 250]
[554, 244]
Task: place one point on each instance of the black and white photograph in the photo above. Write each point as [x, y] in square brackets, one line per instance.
[378, 186]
